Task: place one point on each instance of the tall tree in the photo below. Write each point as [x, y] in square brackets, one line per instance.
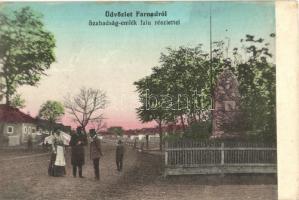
[86, 106]
[256, 76]
[173, 92]
[169, 90]
[17, 101]
[186, 77]
[51, 111]
[26, 49]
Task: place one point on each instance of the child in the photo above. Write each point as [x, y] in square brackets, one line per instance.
[120, 150]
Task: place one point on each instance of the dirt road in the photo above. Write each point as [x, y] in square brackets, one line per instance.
[24, 176]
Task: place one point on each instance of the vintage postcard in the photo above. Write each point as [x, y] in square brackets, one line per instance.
[138, 100]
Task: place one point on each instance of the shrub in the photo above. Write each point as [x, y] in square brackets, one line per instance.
[199, 130]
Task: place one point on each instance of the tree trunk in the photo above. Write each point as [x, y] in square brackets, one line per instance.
[194, 117]
[8, 91]
[160, 135]
[83, 129]
[199, 116]
[51, 128]
[182, 121]
[7, 98]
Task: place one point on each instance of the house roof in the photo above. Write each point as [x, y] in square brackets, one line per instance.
[13, 115]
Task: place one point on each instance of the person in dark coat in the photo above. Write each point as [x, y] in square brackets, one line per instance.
[120, 150]
[78, 141]
[29, 142]
[95, 152]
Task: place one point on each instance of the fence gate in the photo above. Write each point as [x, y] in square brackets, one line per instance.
[211, 157]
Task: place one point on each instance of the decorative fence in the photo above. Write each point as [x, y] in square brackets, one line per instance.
[214, 157]
[136, 144]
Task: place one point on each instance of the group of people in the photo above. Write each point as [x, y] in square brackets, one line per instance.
[77, 143]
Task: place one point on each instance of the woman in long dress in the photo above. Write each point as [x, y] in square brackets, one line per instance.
[57, 162]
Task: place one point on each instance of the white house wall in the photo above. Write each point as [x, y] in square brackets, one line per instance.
[27, 129]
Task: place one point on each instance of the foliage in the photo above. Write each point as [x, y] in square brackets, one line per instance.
[86, 106]
[179, 90]
[199, 130]
[117, 130]
[175, 87]
[26, 49]
[51, 111]
[17, 101]
[172, 137]
[257, 86]
[263, 137]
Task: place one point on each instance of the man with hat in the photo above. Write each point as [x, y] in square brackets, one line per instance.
[120, 150]
[95, 152]
[78, 141]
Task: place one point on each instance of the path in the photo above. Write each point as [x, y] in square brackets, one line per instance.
[141, 180]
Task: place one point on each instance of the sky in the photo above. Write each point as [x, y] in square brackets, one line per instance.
[112, 58]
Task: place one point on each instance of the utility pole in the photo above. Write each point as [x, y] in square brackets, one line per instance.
[211, 63]
[211, 71]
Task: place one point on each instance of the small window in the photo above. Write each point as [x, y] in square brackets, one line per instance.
[10, 129]
[29, 129]
[25, 129]
[33, 130]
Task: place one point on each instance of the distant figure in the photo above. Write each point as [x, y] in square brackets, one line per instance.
[29, 142]
[147, 139]
[57, 161]
[120, 150]
[135, 143]
[78, 141]
[95, 153]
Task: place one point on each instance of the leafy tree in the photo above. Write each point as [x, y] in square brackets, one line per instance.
[185, 70]
[257, 85]
[51, 111]
[86, 106]
[175, 91]
[17, 101]
[26, 49]
[152, 109]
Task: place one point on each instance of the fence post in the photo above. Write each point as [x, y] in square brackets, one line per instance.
[222, 153]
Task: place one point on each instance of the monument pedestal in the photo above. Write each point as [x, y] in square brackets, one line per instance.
[227, 104]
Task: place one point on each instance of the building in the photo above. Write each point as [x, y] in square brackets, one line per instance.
[15, 126]
[45, 127]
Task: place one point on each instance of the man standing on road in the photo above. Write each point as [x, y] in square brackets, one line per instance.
[78, 141]
[95, 152]
[29, 142]
[120, 150]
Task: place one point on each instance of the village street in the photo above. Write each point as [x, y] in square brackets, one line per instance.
[24, 176]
